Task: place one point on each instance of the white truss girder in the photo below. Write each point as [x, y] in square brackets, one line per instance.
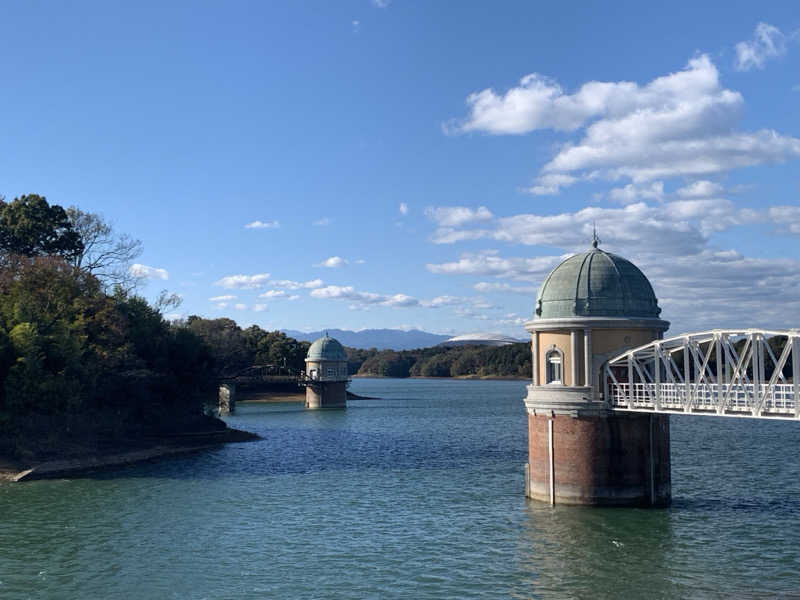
[713, 377]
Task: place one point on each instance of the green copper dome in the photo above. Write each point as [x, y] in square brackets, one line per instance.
[326, 348]
[596, 284]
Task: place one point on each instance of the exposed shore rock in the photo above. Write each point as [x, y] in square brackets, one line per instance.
[156, 448]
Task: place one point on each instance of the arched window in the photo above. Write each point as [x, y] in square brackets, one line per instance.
[554, 366]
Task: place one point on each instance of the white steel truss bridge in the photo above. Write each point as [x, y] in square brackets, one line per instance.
[734, 373]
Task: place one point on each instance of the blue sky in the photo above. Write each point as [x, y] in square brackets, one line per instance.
[418, 164]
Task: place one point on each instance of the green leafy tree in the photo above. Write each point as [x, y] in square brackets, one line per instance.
[29, 226]
[437, 366]
[76, 363]
[276, 348]
[388, 363]
[468, 362]
[231, 349]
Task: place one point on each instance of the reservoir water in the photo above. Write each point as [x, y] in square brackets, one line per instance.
[416, 495]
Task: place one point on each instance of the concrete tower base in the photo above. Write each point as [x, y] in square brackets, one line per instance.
[613, 460]
[330, 394]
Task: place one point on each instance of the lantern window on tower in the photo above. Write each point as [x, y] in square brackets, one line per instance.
[554, 360]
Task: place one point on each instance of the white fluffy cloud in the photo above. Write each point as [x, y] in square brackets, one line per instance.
[767, 42]
[700, 189]
[323, 222]
[145, 272]
[403, 208]
[225, 298]
[512, 319]
[489, 262]
[647, 159]
[362, 300]
[494, 286]
[343, 291]
[698, 286]
[540, 103]
[787, 218]
[243, 282]
[297, 285]
[456, 216]
[550, 184]
[725, 289]
[348, 292]
[259, 307]
[334, 262]
[642, 139]
[680, 124]
[278, 294]
[633, 192]
[679, 226]
[444, 301]
[262, 225]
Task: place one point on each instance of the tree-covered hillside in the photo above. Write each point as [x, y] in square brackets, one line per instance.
[513, 360]
[84, 360]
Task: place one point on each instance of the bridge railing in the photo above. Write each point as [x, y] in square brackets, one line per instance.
[778, 399]
[304, 378]
[720, 372]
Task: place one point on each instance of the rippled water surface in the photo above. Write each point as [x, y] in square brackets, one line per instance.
[416, 495]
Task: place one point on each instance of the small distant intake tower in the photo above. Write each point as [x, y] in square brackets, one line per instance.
[326, 377]
[592, 307]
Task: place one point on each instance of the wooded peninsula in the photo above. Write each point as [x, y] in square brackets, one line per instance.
[89, 366]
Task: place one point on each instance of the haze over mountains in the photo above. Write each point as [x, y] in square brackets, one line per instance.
[382, 339]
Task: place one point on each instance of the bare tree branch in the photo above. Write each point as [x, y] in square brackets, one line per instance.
[105, 254]
[167, 301]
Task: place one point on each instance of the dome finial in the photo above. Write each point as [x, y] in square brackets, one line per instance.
[595, 239]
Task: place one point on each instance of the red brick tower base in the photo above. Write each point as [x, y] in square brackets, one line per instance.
[614, 460]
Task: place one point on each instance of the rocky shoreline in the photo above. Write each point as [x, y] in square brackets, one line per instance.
[12, 471]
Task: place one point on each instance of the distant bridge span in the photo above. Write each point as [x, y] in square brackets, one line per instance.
[261, 371]
[723, 372]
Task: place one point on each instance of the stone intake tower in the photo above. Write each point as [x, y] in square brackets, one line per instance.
[326, 376]
[592, 307]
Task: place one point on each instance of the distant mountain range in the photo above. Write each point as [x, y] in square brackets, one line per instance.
[382, 339]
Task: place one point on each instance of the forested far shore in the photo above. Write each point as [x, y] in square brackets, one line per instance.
[512, 360]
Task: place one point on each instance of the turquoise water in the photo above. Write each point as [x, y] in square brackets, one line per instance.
[416, 495]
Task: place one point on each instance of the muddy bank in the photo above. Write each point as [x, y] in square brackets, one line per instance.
[125, 454]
